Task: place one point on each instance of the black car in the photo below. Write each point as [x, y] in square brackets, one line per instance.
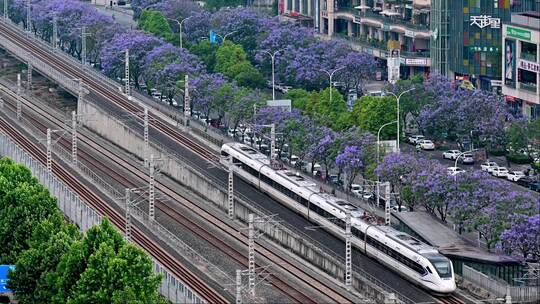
[529, 182]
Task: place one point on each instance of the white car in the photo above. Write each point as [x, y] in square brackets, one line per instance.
[514, 175]
[499, 172]
[294, 160]
[413, 139]
[488, 166]
[426, 144]
[451, 154]
[399, 209]
[356, 189]
[454, 170]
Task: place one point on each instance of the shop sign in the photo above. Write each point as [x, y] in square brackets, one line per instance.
[409, 33]
[483, 49]
[529, 66]
[357, 19]
[416, 61]
[324, 13]
[483, 21]
[518, 33]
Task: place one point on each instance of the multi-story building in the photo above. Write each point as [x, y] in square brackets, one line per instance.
[521, 63]
[467, 36]
[373, 26]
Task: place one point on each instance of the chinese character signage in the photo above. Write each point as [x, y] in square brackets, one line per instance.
[483, 21]
[529, 66]
[518, 33]
[490, 49]
[510, 63]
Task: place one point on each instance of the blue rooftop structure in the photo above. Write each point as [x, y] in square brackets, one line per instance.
[4, 277]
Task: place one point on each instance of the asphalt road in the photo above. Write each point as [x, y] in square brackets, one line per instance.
[437, 155]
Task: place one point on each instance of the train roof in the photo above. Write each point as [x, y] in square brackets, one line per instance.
[407, 240]
[307, 187]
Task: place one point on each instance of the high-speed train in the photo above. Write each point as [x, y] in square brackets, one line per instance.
[420, 263]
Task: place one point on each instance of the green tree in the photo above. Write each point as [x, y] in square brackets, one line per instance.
[112, 273]
[21, 209]
[370, 113]
[231, 61]
[329, 113]
[50, 240]
[299, 98]
[74, 262]
[154, 22]
[206, 51]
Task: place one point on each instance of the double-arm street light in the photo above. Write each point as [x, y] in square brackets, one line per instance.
[397, 98]
[273, 55]
[225, 36]
[330, 75]
[180, 26]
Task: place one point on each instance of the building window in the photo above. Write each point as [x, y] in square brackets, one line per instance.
[527, 80]
[528, 51]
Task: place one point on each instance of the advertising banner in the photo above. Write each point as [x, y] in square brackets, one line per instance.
[510, 63]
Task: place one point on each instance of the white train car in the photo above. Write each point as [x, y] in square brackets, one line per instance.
[420, 263]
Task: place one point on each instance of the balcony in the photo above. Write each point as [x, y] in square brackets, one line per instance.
[379, 49]
[392, 20]
[527, 86]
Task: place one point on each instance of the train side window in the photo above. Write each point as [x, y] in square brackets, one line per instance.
[225, 154]
[428, 269]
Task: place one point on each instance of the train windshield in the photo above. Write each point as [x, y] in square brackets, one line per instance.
[442, 265]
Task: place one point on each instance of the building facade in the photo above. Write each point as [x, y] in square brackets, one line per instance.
[377, 27]
[521, 63]
[467, 37]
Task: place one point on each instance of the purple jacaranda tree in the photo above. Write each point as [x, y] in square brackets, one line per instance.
[166, 64]
[350, 162]
[457, 111]
[246, 23]
[139, 45]
[204, 90]
[139, 5]
[431, 186]
[177, 9]
[522, 239]
[400, 170]
[322, 150]
[359, 68]
[196, 27]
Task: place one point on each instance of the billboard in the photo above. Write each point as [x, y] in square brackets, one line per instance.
[284, 104]
[510, 63]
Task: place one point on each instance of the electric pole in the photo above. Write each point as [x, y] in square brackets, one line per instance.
[19, 102]
[126, 73]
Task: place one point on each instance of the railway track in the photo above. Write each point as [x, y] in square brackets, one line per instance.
[204, 290]
[222, 245]
[450, 300]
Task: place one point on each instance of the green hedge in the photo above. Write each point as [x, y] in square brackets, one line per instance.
[518, 158]
[497, 152]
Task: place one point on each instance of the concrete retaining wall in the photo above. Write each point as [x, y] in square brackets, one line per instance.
[130, 140]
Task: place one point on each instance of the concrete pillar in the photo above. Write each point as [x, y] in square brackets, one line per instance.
[401, 38]
[331, 5]
[309, 10]
[285, 6]
[363, 3]
[321, 19]
[370, 32]
[294, 5]
[350, 28]
[380, 34]
[301, 6]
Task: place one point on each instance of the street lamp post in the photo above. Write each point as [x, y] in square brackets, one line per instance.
[378, 149]
[273, 55]
[180, 26]
[330, 75]
[397, 99]
[225, 36]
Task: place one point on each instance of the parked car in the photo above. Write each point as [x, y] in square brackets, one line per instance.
[499, 172]
[467, 159]
[413, 139]
[403, 208]
[294, 160]
[426, 144]
[356, 189]
[333, 179]
[515, 175]
[488, 166]
[454, 170]
[451, 154]
[525, 181]
[368, 195]
[535, 186]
